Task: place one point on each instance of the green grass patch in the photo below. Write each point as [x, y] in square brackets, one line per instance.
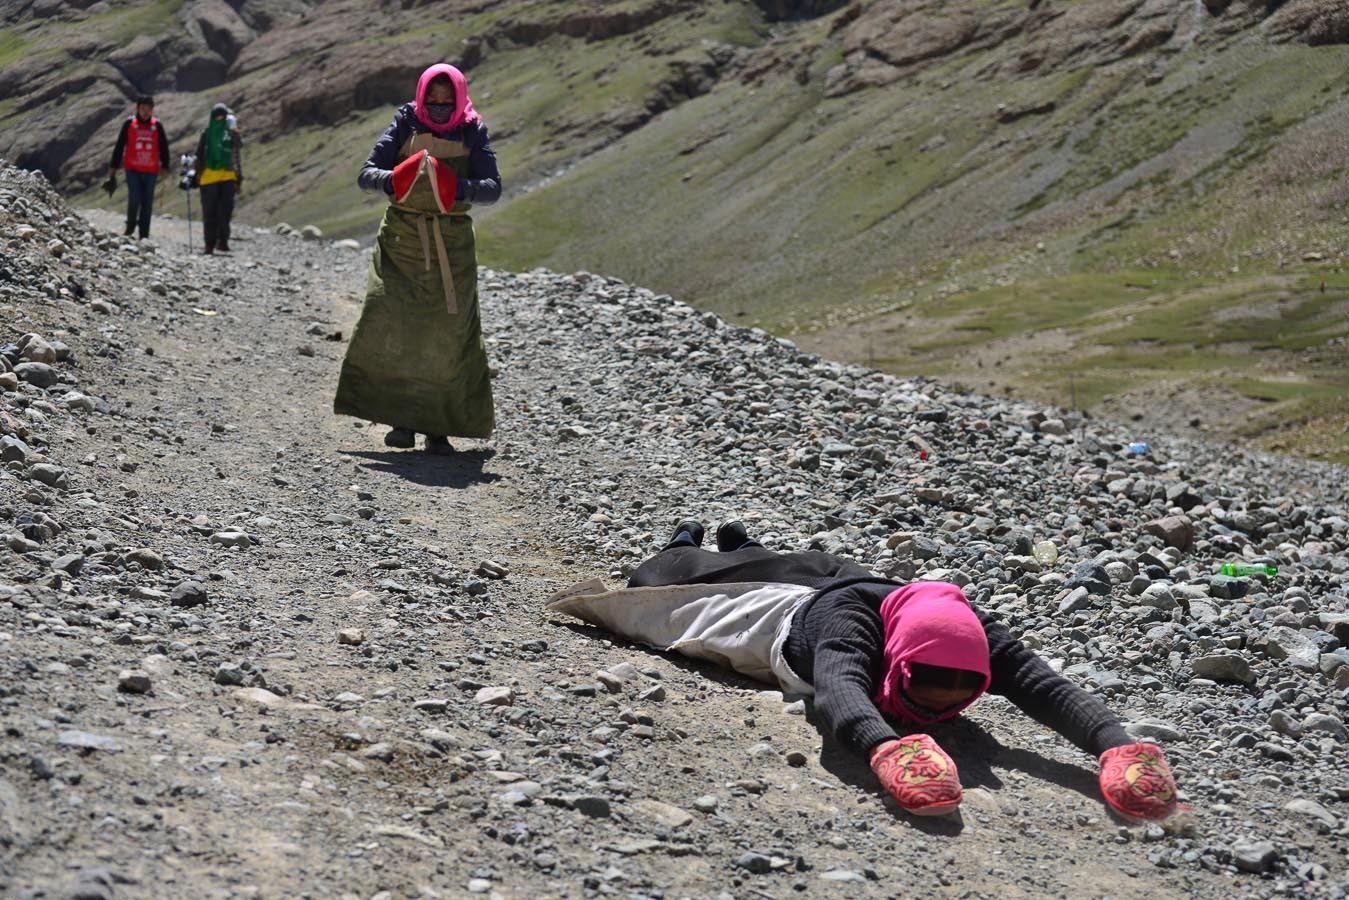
[13, 46]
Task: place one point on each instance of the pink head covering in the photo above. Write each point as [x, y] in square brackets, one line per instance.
[929, 622]
[464, 113]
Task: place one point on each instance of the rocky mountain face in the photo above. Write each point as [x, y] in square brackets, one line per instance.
[71, 70]
[247, 650]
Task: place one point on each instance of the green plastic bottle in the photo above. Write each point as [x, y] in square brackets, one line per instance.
[1240, 569]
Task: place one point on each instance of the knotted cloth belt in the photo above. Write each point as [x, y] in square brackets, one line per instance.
[442, 258]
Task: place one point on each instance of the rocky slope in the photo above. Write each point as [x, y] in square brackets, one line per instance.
[248, 651]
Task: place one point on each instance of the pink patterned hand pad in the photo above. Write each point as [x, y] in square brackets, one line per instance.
[918, 774]
[1137, 782]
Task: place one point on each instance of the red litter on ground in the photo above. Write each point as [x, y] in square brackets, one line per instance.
[922, 454]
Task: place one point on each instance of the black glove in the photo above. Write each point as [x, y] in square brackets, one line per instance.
[111, 184]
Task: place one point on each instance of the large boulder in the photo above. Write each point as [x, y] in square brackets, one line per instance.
[1314, 22]
[148, 61]
[223, 30]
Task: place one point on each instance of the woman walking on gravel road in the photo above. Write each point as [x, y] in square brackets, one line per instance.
[866, 648]
[416, 360]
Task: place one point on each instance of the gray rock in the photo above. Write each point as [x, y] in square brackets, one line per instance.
[1078, 598]
[593, 806]
[502, 695]
[1254, 856]
[145, 558]
[50, 475]
[1153, 730]
[232, 538]
[1285, 724]
[71, 563]
[1320, 722]
[12, 449]
[381, 751]
[229, 674]
[1174, 531]
[84, 740]
[1225, 587]
[1314, 811]
[134, 681]
[188, 594]
[1224, 667]
[1091, 576]
[37, 374]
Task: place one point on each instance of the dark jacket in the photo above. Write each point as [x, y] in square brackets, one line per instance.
[120, 147]
[837, 644]
[483, 184]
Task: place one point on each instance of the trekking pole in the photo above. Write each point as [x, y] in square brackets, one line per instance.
[187, 173]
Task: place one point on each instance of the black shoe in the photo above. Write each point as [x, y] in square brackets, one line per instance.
[223, 247]
[210, 249]
[130, 230]
[438, 444]
[731, 536]
[690, 527]
[401, 438]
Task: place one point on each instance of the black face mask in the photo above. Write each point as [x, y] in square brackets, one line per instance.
[439, 112]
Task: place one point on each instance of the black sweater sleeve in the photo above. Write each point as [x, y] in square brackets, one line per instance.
[377, 173]
[483, 184]
[163, 146]
[120, 147]
[846, 669]
[1046, 696]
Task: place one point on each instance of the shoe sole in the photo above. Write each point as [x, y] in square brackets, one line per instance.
[934, 809]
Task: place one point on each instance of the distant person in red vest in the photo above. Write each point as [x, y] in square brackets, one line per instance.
[143, 150]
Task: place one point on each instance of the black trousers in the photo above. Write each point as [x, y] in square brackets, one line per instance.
[217, 205]
[687, 564]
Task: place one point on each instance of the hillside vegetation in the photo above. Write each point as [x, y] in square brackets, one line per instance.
[1131, 207]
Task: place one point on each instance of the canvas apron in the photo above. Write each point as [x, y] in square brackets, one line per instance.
[738, 626]
[416, 358]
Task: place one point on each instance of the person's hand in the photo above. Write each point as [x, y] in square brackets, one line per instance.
[238, 189]
[1137, 782]
[405, 173]
[918, 774]
[445, 183]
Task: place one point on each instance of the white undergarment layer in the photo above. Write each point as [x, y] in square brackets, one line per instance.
[740, 626]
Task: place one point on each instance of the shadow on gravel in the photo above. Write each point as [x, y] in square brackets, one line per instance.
[458, 470]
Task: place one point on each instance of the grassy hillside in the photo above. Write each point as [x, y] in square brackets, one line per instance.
[1166, 227]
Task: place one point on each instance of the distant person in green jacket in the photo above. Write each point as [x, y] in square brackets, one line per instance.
[416, 361]
[220, 175]
[142, 149]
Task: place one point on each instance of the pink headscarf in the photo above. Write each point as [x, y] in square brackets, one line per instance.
[464, 113]
[929, 622]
